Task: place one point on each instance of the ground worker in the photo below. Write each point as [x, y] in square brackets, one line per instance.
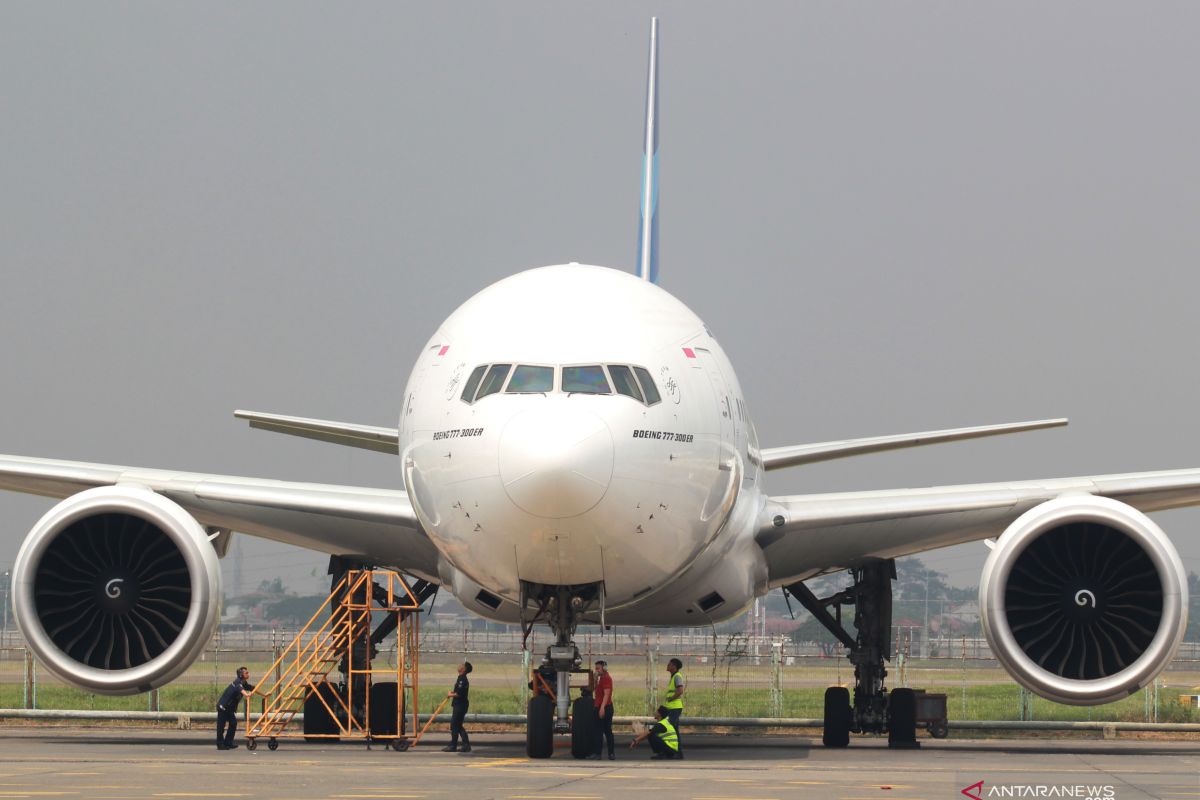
[458, 707]
[664, 741]
[674, 700]
[227, 708]
[604, 710]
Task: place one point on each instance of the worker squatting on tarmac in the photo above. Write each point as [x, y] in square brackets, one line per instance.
[664, 741]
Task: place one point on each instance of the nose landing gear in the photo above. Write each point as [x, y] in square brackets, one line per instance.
[550, 709]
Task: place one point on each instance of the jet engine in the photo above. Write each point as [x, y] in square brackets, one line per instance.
[117, 590]
[1083, 600]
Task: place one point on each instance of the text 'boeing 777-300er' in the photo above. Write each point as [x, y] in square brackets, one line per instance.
[606, 474]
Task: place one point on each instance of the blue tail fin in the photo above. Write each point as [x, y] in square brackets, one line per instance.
[647, 265]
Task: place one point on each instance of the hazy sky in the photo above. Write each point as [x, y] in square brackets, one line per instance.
[894, 216]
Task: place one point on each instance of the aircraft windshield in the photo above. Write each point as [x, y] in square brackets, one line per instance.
[603, 379]
[494, 380]
[623, 380]
[531, 379]
[585, 380]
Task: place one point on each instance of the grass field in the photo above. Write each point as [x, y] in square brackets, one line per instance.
[498, 686]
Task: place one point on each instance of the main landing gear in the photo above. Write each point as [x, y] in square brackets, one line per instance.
[550, 709]
[874, 709]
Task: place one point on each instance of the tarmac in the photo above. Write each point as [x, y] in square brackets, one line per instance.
[124, 763]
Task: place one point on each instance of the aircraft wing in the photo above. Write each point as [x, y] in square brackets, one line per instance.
[378, 523]
[807, 535]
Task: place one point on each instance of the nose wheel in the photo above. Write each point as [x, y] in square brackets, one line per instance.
[550, 708]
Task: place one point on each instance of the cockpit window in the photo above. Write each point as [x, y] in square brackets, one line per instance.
[622, 379]
[648, 386]
[531, 379]
[494, 381]
[624, 382]
[585, 380]
[468, 394]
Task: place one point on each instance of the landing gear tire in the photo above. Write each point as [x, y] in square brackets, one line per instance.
[837, 717]
[902, 718]
[583, 727]
[539, 728]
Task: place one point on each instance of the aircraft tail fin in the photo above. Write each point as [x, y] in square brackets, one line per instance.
[647, 265]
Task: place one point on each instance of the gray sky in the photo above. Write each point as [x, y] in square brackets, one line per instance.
[895, 217]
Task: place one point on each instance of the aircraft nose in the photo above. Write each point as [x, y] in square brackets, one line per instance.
[556, 462]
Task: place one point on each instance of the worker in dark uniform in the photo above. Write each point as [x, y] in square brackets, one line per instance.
[663, 740]
[458, 706]
[227, 708]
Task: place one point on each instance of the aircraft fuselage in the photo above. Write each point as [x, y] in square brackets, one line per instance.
[576, 425]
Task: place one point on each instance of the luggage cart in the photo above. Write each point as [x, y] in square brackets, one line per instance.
[931, 713]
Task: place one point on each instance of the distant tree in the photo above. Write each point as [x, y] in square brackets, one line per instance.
[295, 610]
[272, 587]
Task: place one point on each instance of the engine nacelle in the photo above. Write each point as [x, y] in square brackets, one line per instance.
[117, 590]
[1083, 600]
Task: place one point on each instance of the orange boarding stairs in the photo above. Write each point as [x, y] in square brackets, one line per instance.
[303, 667]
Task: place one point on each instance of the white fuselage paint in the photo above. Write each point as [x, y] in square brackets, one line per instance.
[658, 502]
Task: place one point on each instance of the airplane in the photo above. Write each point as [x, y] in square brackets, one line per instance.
[574, 448]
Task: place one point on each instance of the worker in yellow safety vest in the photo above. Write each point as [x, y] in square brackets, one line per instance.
[674, 699]
[664, 740]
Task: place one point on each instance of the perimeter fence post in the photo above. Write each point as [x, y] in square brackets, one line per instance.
[30, 680]
[777, 679]
[275, 651]
[650, 675]
[964, 677]
[1026, 701]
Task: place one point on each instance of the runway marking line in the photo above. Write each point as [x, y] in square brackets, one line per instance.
[106, 786]
[384, 796]
[498, 762]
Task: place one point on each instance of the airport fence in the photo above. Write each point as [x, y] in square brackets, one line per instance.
[727, 675]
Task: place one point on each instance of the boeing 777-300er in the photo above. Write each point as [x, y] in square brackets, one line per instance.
[574, 448]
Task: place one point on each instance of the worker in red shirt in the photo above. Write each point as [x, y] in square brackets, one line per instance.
[603, 699]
